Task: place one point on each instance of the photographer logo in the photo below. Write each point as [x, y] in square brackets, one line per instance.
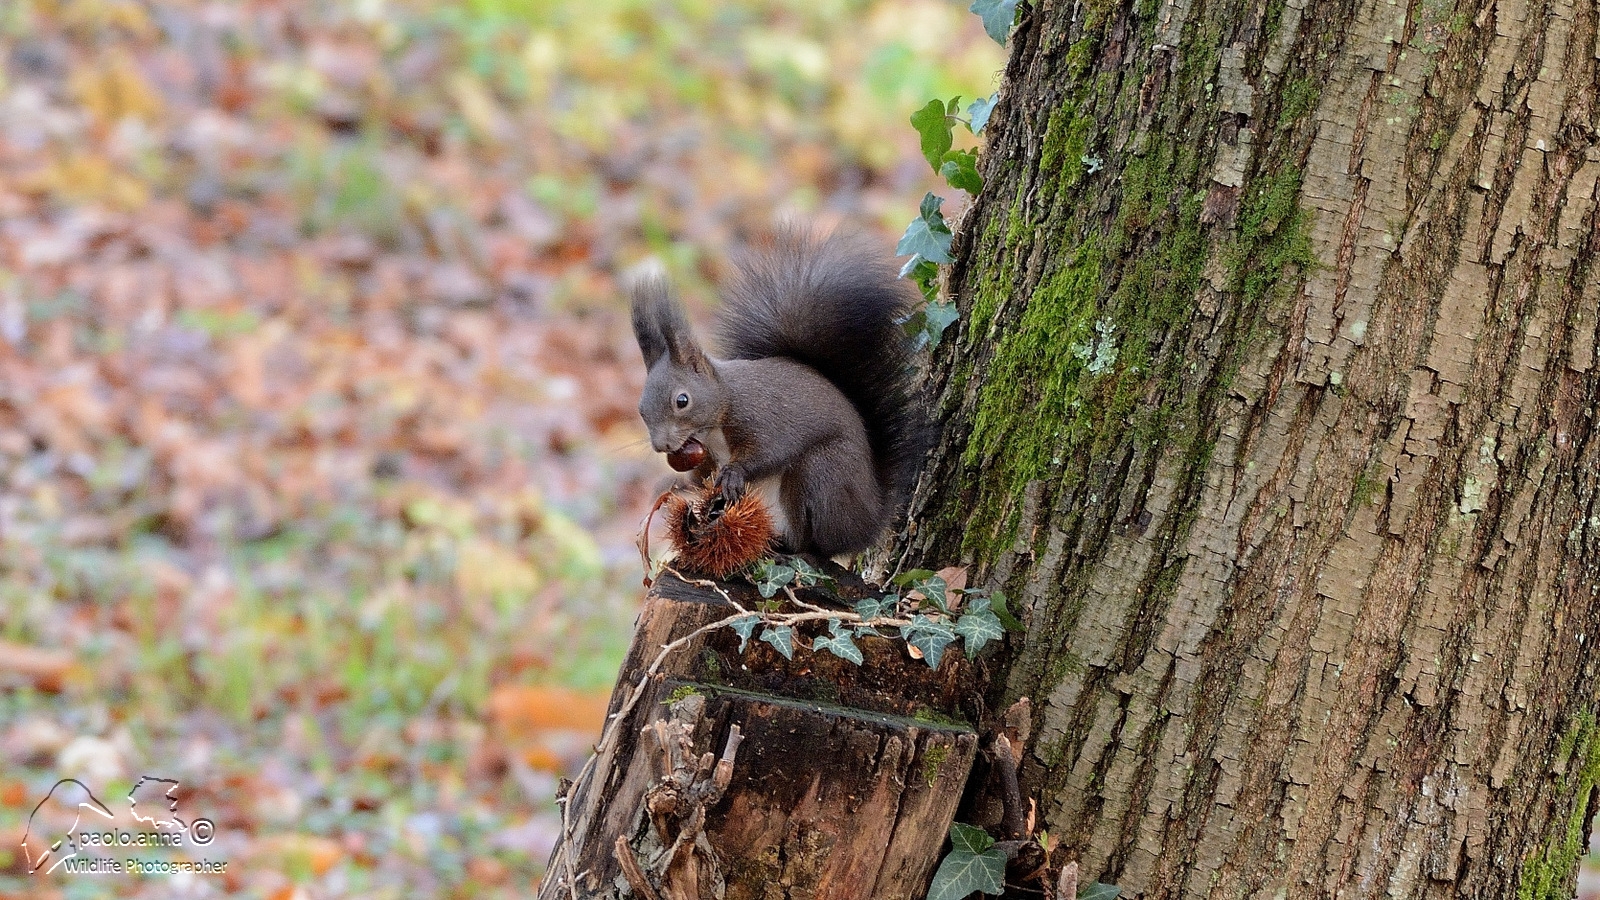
[72, 831]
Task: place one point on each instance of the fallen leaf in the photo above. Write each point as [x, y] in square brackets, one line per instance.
[487, 869]
[114, 89]
[45, 668]
[543, 759]
[318, 854]
[955, 578]
[13, 793]
[489, 570]
[526, 708]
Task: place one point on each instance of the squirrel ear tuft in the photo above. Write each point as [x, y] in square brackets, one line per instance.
[681, 346]
[662, 328]
[651, 296]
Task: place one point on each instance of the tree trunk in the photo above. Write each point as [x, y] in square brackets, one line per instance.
[1272, 403]
[842, 784]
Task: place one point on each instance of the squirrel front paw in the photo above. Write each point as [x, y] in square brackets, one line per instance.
[730, 480]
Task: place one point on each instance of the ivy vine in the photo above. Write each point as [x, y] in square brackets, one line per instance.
[926, 612]
[927, 238]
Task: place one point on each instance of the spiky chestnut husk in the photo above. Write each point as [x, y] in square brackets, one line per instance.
[714, 538]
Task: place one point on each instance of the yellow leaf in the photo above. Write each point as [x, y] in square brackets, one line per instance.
[115, 90]
[477, 107]
[575, 547]
[451, 516]
[95, 16]
[300, 852]
[485, 569]
[85, 177]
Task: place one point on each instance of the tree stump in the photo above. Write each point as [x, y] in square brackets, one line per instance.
[844, 785]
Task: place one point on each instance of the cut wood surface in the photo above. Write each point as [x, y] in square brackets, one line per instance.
[844, 785]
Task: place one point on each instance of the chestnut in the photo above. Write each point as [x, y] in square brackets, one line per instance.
[688, 457]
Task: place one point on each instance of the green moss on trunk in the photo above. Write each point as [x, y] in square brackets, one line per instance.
[1549, 875]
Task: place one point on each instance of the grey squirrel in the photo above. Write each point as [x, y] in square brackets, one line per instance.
[811, 401]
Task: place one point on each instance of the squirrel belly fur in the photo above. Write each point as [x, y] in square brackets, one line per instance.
[810, 400]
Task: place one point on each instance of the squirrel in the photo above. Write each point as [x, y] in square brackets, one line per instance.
[811, 402]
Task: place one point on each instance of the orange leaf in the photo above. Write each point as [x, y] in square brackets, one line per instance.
[525, 708]
[13, 793]
[544, 759]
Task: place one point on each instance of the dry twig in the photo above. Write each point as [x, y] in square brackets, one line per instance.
[631, 871]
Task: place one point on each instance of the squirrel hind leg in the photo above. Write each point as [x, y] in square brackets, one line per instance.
[831, 513]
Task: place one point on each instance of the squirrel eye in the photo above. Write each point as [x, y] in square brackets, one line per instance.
[682, 401]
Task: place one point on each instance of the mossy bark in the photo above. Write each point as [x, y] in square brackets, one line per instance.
[1272, 401]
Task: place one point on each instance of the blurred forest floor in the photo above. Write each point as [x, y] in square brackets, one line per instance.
[319, 464]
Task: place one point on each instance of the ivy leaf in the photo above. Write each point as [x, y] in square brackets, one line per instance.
[969, 839]
[932, 122]
[781, 637]
[1003, 613]
[842, 647]
[940, 316]
[1099, 891]
[921, 239]
[960, 170]
[978, 626]
[927, 325]
[874, 607]
[934, 589]
[998, 17]
[929, 209]
[744, 626]
[839, 644]
[925, 275]
[807, 575]
[927, 237]
[772, 578]
[962, 176]
[914, 270]
[931, 636]
[972, 865]
[978, 112]
[905, 578]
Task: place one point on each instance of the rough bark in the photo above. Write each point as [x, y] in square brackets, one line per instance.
[843, 787]
[1273, 402]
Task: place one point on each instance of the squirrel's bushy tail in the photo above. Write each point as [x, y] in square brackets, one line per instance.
[836, 306]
